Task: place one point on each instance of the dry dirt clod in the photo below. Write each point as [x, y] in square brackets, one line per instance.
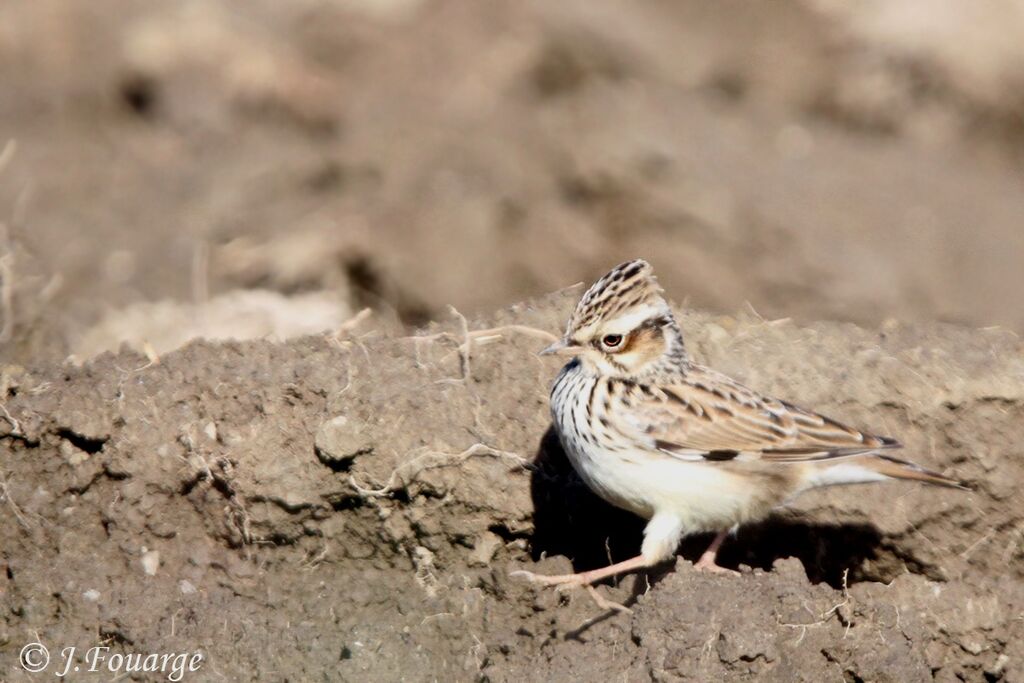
[339, 441]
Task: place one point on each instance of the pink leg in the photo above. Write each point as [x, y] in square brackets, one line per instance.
[708, 561]
[583, 578]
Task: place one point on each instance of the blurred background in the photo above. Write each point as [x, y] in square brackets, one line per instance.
[223, 168]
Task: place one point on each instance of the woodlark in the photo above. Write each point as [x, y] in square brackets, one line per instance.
[681, 445]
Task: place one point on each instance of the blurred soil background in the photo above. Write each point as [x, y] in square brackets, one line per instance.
[819, 159]
[345, 506]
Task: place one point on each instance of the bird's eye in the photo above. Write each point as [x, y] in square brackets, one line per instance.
[611, 341]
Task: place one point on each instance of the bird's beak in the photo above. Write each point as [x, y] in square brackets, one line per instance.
[561, 348]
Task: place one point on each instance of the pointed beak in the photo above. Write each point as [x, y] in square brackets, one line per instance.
[561, 348]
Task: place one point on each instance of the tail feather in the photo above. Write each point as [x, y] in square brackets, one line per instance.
[876, 467]
[897, 468]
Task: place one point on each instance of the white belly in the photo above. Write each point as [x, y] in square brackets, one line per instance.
[704, 497]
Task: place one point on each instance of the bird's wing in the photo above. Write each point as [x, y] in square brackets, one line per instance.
[708, 416]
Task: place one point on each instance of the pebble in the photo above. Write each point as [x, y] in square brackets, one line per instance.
[151, 562]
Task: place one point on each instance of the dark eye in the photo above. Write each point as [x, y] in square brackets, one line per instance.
[611, 340]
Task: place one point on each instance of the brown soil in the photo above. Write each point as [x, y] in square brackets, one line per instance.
[348, 506]
[350, 509]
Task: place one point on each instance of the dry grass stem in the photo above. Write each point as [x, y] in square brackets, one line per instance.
[407, 472]
[5, 494]
[470, 338]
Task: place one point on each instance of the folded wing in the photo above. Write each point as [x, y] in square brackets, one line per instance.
[708, 416]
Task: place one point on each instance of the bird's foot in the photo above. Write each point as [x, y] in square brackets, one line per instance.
[707, 563]
[605, 603]
[564, 582]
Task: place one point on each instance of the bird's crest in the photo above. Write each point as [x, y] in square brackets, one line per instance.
[629, 292]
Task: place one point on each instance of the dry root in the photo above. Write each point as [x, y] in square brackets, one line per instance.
[407, 472]
[469, 338]
[824, 617]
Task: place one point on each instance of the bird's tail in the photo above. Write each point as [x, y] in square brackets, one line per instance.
[876, 467]
[897, 468]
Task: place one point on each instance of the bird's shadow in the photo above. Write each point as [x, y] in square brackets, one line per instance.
[572, 521]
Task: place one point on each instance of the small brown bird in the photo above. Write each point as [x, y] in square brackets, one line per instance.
[679, 444]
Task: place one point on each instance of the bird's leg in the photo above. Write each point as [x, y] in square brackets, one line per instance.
[605, 603]
[708, 561]
[564, 581]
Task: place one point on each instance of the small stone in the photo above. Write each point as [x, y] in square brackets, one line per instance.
[211, 431]
[186, 587]
[151, 562]
[91, 595]
[486, 546]
[339, 441]
[1000, 665]
[161, 528]
[74, 456]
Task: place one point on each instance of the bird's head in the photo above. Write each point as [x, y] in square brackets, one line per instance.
[622, 325]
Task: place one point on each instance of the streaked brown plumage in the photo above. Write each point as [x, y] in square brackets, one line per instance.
[686, 447]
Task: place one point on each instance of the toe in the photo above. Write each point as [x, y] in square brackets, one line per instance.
[530, 576]
[714, 568]
[605, 603]
[562, 582]
[566, 583]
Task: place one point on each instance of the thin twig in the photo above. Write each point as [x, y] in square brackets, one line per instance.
[407, 472]
[5, 493]
[824, 616]
[466, 347]
[491, 334]
[15, 425]
[974, 546]
[353, 322]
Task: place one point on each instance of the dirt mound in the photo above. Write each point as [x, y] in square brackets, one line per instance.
[350, 508]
